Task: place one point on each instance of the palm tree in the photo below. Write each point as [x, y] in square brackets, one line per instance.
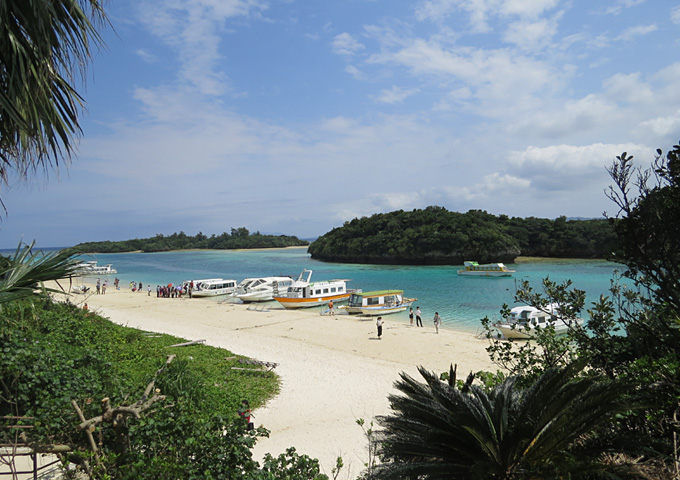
[42, 44]
[440, 431]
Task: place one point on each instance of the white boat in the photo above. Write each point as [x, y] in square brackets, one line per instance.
[474, 269]
[262, 289]
[212, 287]
[525, 320]
[304, 293]
[380, 302]
[91, 268]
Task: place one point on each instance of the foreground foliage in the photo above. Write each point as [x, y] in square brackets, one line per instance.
[441, 431]
[43, 45]
[55, 354]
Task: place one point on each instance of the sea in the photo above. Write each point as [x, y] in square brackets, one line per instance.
[461, 301]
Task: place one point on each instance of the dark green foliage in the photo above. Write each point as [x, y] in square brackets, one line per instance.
[239, 238]
[53, 353]
[511, 432]
[436, 236]
[43, 47]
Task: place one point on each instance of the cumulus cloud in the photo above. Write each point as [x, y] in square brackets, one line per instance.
[345, 44]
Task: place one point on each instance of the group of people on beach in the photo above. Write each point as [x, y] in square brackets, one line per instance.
[418, 317]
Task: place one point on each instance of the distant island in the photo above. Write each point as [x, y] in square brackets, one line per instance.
[239, 238]
[436, 236]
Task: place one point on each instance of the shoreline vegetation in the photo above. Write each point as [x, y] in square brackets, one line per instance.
[321, 359]
[432, 236]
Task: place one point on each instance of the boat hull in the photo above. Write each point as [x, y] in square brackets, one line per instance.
[291, 303]
[378, 310]
[467, 273]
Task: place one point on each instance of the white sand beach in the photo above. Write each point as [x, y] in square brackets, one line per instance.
[334, 370]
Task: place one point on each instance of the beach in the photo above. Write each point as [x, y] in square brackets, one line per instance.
[333, 369]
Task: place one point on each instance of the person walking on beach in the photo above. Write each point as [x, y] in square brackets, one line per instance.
[419, 320]
[330, 308]
[410, 315]
[99, 286]
[437, 322]
[379, 324]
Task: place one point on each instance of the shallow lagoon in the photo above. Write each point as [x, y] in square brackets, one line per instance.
[460, 301]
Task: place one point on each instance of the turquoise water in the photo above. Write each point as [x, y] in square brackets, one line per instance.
[460, 301]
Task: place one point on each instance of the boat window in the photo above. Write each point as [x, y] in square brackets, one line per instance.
[341, 289]
[524, 314]
[325, 290]
[541, 319]
[372, 301]
[333, 289]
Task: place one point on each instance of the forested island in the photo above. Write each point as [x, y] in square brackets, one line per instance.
[239, 238]
[436, 236]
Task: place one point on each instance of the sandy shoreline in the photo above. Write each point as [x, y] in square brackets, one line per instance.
[333, 370]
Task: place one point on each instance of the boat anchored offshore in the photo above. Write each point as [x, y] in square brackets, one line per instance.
[262, 289]
[304, 293]
[524, 321]
[212, 287]
[474, 269]
[380, 302]
[91, 268]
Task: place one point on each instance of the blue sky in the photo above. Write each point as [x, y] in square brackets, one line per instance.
[292, 117]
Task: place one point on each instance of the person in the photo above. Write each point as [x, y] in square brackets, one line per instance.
[330, 308]
[410, 315]
[244, 412]
[99, 286]
[437, 321]
[419, 320]
[379, 324]
[85, 307]
[149, 289]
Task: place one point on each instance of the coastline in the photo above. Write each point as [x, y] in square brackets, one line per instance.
[333, 369]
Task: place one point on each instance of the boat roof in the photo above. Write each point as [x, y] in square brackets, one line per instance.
[379, 293]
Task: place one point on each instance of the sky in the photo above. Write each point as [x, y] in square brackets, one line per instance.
[295, 116]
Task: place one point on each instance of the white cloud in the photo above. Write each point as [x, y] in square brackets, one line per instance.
[395, 95]
[675, 15]
[192, 28]
[536, 35]
[148, 57]
[633, 33]
[480, 12]
[345, 44]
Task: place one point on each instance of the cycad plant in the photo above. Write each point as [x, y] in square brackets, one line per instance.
[438, 430]
[24, 273]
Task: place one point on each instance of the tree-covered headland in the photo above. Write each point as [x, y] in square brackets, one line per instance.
[239, 238]
[436, 236]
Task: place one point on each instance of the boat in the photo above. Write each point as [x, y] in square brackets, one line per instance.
[304, 293]
[379, 302]
[474, 269]
[524, 321]
[212, 287]
[262, 289]
[91, 268]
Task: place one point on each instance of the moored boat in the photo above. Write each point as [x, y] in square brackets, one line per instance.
[379, 302]
[474, 269]
[524, 321]
[91, 268]
[262, 289]
[304, 293]
[212, 287]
